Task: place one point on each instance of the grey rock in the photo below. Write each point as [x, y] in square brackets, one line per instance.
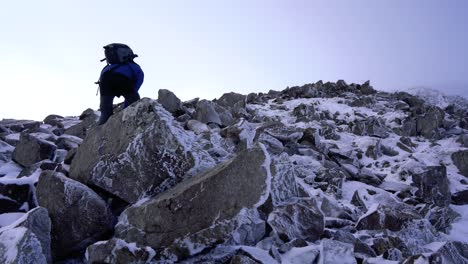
[305, 113]
[449, 252]
[88, 120]
[79, 216]
[229, 100]
[118, 251]
[332, 251]
[54, 120]
[27, 240]
[197, 127]
[460, 159]
[242, 259]
[460, 197]
[135, 153]
[206, 113]
[297, 219]
[384, 217]
[6, 152]
[21, 195]
[433, 185]
[68, 142]
[170, 102]
[463, 140]
[441, 218]
[31, 150]
[372, 126]
[196, 204]
[20, 125]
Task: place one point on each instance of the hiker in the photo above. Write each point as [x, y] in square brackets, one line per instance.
[120, 77]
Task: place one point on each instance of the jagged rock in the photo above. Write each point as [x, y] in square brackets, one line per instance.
[196, 204]
[357, 201]
[118, 251]
[392, 248]
[6, 152]
[68, 142]
[273, 144]
[139, 150]
[305, 113]
[463, 140]
[445, 252]
[384, 217]
[452, 252]
[27, 240]
[229, 100]
[206, 113]
[368, 177]
[79, 216]
[411, 100]
[460, 159]
[332, 251]
[433, 185]
[297, 218]
[197, 127]
[170, 102]
[331, 209]
[21, 194]
[88, 120]
[225, 115]
[54, 120]
[426, 124]
[20, 125]
[460, 198]
[31, 150]
[441, 218]
[333, 179]
[404, 147]
[361, 102]
[372, 126]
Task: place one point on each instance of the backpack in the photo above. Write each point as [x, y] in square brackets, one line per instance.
[117, 53]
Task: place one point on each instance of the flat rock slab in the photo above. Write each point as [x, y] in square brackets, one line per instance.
[199, 202]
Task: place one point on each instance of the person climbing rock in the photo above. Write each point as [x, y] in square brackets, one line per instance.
[120, 77]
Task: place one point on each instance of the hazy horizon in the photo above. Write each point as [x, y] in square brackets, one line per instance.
[206, 48]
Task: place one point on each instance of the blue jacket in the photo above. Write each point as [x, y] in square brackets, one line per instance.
[130, 70]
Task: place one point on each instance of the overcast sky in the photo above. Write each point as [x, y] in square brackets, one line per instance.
[51, 49]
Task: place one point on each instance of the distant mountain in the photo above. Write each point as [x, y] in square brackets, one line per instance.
[438, 98]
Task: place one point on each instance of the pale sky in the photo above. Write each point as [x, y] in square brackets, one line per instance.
[51, 49]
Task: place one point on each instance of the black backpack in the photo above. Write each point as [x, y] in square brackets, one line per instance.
[117, 53]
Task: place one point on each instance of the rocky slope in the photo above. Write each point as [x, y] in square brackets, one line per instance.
[322, 173]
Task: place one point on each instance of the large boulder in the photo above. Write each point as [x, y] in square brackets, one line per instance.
[460, 159]
[198, 203]
[380, 217]
[229, 100]
[139, 150]
[31, 150]
[79, 216]
[372, 126]
[80, 129]
[170, 102]
[19, 125]
[118, 251]
[27, 240]
[298, 219]
[206, 113]
[433, 185]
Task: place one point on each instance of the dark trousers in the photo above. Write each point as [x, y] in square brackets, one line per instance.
[107, 102]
